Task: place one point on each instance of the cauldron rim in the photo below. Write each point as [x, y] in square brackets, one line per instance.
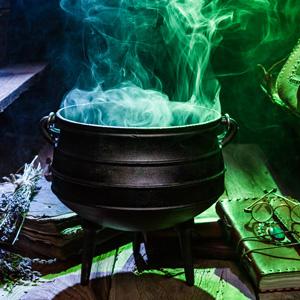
[211, 123]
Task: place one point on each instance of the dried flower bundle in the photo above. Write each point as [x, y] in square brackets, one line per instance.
[13, 210]
[15, 205]
[15, 269]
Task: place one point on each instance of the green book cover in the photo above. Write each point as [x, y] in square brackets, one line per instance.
[272, 266]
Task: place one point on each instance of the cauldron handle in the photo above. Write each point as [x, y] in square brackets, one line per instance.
[49, 131]
[231, 130]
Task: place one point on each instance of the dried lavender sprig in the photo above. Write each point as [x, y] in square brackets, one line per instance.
[14, 208]
[16, 204]
[15, 269]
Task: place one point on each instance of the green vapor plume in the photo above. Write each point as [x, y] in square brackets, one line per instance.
[148, 63]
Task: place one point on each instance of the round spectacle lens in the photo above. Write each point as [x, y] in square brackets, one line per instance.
[295, 213]
[262, 212]
[283, 210]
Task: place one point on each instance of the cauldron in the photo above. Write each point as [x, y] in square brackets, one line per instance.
[138, 179]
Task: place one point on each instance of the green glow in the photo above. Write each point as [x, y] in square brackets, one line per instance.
[205, 279]
[105, 258]
[71, 231]
[151, 59]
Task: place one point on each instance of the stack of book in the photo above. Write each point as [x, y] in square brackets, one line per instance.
[51, 230]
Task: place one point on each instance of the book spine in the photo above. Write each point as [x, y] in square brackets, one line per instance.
[233, 236]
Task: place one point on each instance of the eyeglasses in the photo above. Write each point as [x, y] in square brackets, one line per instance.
[262, 211]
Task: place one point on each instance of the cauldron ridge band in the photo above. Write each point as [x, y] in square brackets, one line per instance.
[138, 179]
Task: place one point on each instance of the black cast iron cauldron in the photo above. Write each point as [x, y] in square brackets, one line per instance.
[138, 179]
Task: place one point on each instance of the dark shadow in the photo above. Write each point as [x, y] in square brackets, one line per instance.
[20, 134]
[130, 286]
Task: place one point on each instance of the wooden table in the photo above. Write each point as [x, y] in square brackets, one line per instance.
[114, 273]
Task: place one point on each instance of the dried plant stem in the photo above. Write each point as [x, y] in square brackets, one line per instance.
[13, 210]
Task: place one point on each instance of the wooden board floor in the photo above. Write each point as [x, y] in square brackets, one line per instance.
[115, 276]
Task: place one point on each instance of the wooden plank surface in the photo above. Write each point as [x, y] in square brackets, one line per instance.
[46, 206]
[247, 175]
[16, 79]
[67, 286]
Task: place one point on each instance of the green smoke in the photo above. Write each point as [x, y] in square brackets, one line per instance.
[148, 63]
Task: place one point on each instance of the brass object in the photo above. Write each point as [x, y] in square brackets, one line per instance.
[283, 88]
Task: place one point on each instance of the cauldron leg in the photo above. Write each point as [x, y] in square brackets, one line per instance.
[184, 232]
[89, 242]
[136, 245]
